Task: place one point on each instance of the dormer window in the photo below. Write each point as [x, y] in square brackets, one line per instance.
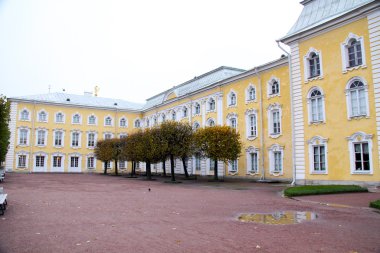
[354, 53]
[314, 65]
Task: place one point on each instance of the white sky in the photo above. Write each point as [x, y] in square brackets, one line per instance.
[133, 49]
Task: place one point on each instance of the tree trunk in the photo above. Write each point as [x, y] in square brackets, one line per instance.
[185, 167]
[164, 166]
[148, 171]
[116, 169]
[133, 172]
[215, 169]
[105, 168]
[172, 167]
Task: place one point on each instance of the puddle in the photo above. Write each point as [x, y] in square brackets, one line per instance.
[278, 218]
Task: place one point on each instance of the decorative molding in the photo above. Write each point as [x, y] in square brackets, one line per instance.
[344, 45]
[306, 58]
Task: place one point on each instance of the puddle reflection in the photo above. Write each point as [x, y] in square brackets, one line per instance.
[278, 218]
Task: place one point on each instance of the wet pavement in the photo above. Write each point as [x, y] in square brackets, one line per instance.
[96, 213]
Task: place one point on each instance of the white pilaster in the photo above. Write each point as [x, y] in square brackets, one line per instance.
[219, 110]
[374, 39]
[9, 160]
[203, 108]
[298, 119]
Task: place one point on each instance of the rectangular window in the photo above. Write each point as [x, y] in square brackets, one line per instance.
[107, 136]
[254, 162]
[319, 158]
[75, 140]
[21, 161]
[40, 161]
[74, 162]
[23, 137]
[276, 122]
[197, 162]
[234, 165]
[91, 140]
[90, 162]
[277, 161]
[57, 161]
[41, 137]
[59, 117]
[58, 138]
[362, 156]
[122, 165]
[252, 125]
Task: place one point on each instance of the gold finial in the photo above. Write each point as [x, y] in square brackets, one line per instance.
[96, 90]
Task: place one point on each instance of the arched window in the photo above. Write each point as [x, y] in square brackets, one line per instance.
[274, 88]
[174, 115]
[137, 123]
[108, 121]
[211, 104]
[42, 116]
[316, 105]
[24, 115]
[357, 98]
[314, 65]
[123, 122]
[196, 126]
[251, 124]
[274, 120]
[232, 120]
[163, 117]
[197, 108]
[147, 122]
[251, 93]
[92, 120]
[232, 99]
[59, 117]
[76, 119]
[210, 122]
[354, 51]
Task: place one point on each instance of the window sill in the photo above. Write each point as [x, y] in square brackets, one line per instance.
[75, 147]
[58, 146]
[316, 172]
[210, 111]
[361, 173]
[359, 117]
[252, 173]
[348, 69]
[273, 95]
[251, 138]
[22, 145]
[316, 123]
[232, 106]
[59, 122]
[91, 148]
[25, 120]
[41, 146]
[276, 174]
[250, 101]
[196, 114]
[275, 136]
[232, 173]
[314, 78]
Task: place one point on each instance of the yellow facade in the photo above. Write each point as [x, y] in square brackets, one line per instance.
[301, 118]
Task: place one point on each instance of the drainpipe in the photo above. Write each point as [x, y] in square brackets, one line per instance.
[291, 114]
[261, 126]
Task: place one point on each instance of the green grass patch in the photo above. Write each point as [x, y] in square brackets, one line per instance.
[375, 204]
[322, 189]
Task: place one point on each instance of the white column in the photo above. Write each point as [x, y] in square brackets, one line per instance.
[9, 160]
[219, 108]
[203, 108]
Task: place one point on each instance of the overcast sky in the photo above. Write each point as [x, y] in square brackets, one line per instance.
[133, 49]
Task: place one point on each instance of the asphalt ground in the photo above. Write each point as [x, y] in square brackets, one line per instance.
[96, 213]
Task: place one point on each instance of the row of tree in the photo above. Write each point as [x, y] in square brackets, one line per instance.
[173, 140]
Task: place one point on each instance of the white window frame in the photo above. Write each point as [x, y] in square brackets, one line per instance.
[88, 139]
[360, 137]
[197, 105]
[209, 122]
[196, 125]
[80, 119]
[348, 98]
[125, 165]
[185, 112]
[62, 167]
[272, 149]
[125, 120]
[123, 135]
[313, 142]
[22, 153]
[46, 116]
[21, 113]
[55, 131]
[230, 101]
[344, 52]
[75, 169]
[252, 150]
[230, 166]
[209, 104]
[27, 136]
[232, 116]
[45, 137]
[269, 87]
[248, 114]
[40, 168]
[107, 133]
[306, 63]
[108, 117]
[88, 120]
[310, 109]
[247, 94]
[79, 139]
[135, 123]
[91, 155]
[271, 108]
[63, 118]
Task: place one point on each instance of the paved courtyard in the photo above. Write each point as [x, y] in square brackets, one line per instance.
[96, 213]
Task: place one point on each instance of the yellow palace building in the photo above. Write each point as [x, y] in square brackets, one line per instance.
[312, 116]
